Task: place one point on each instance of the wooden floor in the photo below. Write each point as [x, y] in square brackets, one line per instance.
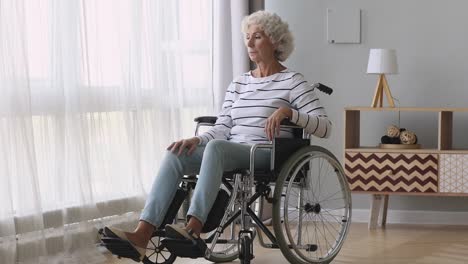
[395, 244]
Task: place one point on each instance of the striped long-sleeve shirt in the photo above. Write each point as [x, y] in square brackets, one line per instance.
[249, 101]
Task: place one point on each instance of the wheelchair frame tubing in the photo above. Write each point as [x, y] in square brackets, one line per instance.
[221, 227]
[258, 193]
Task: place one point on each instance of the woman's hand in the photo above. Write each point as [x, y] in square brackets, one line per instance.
[179, 146]
[272, 125]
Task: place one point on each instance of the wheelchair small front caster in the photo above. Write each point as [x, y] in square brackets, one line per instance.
[246, 249]
[157, 253]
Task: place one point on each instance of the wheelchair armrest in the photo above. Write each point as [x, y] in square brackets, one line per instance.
[287, 123]
[212, 120]
[297, 130]
[282, 149]
[206, 119]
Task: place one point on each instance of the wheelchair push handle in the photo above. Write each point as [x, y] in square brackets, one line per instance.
[206, 119]
[323, 88]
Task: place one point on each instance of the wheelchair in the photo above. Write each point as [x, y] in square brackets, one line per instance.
[311, 208]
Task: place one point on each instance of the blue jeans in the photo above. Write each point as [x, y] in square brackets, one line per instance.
[209, 162]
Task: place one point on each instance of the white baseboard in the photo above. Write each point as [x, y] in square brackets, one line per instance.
[414, 217]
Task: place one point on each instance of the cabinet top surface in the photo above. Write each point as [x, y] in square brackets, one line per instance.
[415, 109]
[365, 149]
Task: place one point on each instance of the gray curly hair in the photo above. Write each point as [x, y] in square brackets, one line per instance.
[275, 28]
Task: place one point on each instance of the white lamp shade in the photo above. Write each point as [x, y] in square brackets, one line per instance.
[382, 61]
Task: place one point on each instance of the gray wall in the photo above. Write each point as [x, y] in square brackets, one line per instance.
[430, 37]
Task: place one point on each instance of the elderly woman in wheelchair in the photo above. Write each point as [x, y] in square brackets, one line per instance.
[311, 200]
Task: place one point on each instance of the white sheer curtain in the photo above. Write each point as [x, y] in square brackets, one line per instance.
[230, 57]
[91, 93]
[229, 52]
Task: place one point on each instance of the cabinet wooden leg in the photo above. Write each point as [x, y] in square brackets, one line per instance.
[375, 210]
[384, 210]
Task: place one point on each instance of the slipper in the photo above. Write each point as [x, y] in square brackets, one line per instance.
[118, 243]
[175, 231]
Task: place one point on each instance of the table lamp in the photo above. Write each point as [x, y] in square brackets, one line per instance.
[382, 61]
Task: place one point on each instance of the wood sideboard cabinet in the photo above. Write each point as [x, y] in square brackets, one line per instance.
[442, 171]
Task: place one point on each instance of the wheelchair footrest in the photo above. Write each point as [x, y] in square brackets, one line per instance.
[185, 248]
[120, 248]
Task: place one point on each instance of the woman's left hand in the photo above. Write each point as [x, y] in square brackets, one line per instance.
[272, 125]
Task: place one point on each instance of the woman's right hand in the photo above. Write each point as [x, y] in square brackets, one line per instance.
[179, 146]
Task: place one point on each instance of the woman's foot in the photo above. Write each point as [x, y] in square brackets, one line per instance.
[137, 239]
[195, 225]
[141, 236]
[118, 242]
[177, 232]
[191, 231]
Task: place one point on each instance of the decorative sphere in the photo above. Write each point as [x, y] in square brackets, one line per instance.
[408, 137]
[386, 140]
[393, 131]
[395, 140]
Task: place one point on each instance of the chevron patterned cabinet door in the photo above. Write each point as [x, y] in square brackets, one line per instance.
[392, 172]
[453, 173]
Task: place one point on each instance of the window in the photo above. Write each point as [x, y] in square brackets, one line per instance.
[111, 83]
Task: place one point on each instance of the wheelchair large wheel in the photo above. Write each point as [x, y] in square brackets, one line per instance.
[226, 249]
[312, 208]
